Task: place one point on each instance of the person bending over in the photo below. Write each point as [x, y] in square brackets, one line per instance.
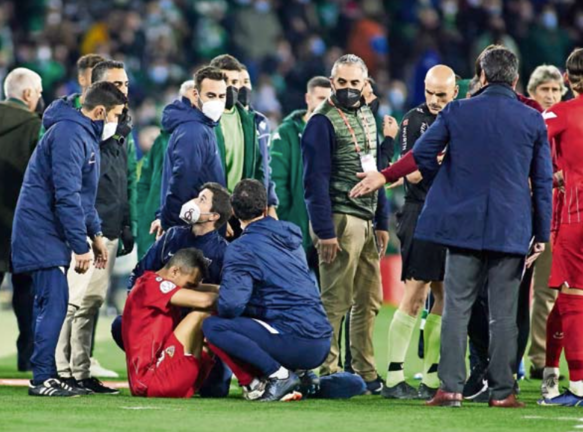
[269, 313]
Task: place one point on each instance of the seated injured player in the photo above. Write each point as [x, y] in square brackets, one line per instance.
[269, 312]
[164, 352]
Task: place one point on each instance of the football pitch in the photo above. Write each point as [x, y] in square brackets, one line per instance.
[19, 412]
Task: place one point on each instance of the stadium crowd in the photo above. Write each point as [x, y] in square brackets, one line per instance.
[260, 237]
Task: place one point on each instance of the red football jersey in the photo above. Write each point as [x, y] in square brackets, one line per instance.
[148, 320]
[565, 127]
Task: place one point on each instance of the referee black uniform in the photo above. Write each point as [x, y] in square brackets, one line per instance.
[422, 260]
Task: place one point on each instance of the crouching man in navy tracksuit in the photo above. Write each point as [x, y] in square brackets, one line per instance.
[55, 214]
[269, 311]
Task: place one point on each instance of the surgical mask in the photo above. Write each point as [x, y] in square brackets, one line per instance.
[213, 109]
[232, 94]
[550, 20]
[262, 6]
[348, 97]
[397, 99]
[108, 130]
[317, 47]
[244, 96]
[190, 213]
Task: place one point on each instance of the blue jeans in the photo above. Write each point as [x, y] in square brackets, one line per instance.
[51, 295]
[251, 342]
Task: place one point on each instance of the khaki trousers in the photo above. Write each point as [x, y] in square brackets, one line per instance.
[353, 279]
[86, 295]
[543, 301]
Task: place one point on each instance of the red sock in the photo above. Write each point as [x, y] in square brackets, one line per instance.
[554, 338]
[571, 310]
[245, 373]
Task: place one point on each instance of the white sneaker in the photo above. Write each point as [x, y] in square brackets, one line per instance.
[550, 385]
[254, 390]
[97, 370]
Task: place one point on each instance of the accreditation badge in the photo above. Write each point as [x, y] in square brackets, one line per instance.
[368, 162]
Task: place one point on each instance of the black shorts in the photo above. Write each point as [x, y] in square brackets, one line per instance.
[422, 260]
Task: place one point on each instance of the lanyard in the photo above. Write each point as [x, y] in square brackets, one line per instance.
[346, 122]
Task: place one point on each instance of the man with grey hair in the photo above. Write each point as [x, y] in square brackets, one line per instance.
[490, 196]
[350, 234]
[150, 181]
[546, 86]
[19, 130]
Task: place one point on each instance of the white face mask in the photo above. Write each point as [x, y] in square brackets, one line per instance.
[213, 109]
[108, 130]
[190, 213]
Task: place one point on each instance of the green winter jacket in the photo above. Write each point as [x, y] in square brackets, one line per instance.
[287, 170]
[252, 165]
[19, 131]
[149, 185]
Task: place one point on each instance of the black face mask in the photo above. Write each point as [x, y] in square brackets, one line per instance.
[245, 96]
[124, 126]
[348, 97]
[40, 106]
[374, 106]
[232, 94]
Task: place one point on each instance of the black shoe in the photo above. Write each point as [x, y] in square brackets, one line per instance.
[536, 373]
[476, 383]
[74, 384]
[400, 391]
[425, 392]
[309, 383]
[52, 387]
[375, 387]
[483, 397]
[282, 389]
[93, 385]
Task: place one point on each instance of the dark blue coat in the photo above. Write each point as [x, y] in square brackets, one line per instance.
[191, 160]
[265, 276]
[212, 245]
[480, 198]
[56, 207]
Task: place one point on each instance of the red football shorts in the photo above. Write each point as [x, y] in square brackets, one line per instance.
[567, 266]
[178, 375]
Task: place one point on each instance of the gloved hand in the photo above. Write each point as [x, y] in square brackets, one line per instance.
[124, 126]
[126, 241]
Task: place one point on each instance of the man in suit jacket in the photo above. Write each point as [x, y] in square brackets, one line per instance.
[490, 197]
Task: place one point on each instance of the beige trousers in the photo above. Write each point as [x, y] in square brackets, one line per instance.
[543, 301]
[353, 279]
[86, 295]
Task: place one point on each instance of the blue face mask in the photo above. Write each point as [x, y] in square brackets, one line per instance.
[550, 20]
[262, 6]
[318, 47]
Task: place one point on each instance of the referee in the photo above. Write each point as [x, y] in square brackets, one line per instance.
[423, 262]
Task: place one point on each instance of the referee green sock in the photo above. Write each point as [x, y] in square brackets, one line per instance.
[431, 344]
[400, 332]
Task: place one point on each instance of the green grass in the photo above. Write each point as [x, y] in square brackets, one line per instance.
[19, 412]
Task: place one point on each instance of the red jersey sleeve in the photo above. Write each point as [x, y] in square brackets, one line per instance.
[556, 122]
[157, 291]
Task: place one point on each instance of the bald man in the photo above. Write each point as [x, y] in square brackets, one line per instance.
[423, 262]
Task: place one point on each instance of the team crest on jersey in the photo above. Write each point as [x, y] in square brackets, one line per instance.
[159, 279]
[405, 122]
[424, 127]
[170, 351]
[166, 287]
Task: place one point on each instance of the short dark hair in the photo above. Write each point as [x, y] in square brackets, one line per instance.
[477, 65]
[88, 62]
[189, 259]
[221, 202]
[227, 62]
[207, 72]
[319, 81]
[100, 69]
[103, 93]
[500, 66]
[249, 199]
[574, 68]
